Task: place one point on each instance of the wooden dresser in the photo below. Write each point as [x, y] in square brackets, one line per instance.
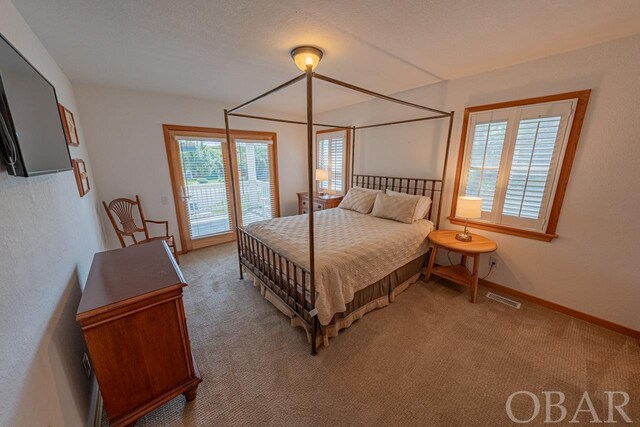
[319, 202]
[133, 320]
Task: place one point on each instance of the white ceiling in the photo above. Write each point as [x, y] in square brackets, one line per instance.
[233, 50]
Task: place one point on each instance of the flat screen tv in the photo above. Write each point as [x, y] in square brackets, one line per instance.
[32, 140]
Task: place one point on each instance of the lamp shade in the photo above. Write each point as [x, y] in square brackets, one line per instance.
[322, 174]
[469, 207]
[305, 56]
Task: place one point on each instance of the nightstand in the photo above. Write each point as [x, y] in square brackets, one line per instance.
[460, 274]
[320, 203]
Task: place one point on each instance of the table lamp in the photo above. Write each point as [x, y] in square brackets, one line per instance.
[322, 175]
[468, 207]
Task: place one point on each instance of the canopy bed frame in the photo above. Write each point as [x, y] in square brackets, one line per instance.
[283, 278]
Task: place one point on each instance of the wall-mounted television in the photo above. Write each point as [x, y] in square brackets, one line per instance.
[32, 140]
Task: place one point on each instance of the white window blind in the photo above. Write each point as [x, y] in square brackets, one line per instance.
[486, 152]
[256, 179]
[532, 158]
[331, 155]
[323, 160]
[512, 161]
[336, 148]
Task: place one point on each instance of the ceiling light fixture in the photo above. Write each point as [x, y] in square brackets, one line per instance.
[304, 56]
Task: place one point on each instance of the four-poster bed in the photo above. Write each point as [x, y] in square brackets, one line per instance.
[286, 268]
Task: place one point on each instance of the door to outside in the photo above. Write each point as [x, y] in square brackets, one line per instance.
[257, 182]
[199, 164]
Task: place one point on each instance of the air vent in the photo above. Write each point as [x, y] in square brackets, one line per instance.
[503, 300]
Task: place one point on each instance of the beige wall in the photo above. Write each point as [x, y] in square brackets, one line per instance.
[592, 267]
[47, 241]
[124, 129]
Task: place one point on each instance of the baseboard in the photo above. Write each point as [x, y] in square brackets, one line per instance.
[97, 420]
[562, 309]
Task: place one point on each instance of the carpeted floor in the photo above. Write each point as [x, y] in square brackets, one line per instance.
[430, 358]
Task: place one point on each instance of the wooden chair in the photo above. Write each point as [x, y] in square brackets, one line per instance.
[123, 209]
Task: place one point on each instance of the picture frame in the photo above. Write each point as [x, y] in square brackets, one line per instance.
[69, 126]
[82, 178]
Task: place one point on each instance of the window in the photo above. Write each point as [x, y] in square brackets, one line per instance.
[332, 148]
[517, 156]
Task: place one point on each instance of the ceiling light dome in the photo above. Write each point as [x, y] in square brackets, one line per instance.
[304, 56]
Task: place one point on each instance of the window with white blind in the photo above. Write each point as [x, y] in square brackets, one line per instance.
[517, 156]
[332, 149]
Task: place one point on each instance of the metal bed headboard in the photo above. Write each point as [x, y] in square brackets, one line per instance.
[414, 186]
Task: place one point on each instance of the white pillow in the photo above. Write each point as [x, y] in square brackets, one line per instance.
[359, 199]
[397, 208]
[422, 208]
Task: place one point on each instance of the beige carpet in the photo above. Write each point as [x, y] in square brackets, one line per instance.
[431, 358]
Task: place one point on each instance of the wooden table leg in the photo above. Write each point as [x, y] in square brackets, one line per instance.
[432, 260]
[463, 260]
[191, 393]
[474, 280]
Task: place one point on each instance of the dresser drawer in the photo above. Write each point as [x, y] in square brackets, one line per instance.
[317, 206]
[318, 203]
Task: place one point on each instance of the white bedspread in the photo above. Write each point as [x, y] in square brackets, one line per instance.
[352, 250]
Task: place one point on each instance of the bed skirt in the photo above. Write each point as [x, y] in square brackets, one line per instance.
[377, 295]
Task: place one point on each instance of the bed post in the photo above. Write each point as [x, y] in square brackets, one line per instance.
[353, 154]
[264, 265]
[233, 188]
[312, 267]
[444, 169]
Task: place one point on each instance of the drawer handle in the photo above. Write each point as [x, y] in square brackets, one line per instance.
[304, 211]
[305, 203]
[318, 206]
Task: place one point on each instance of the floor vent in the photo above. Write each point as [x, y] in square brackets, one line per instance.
[504, 300]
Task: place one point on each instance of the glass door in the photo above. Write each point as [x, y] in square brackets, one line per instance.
[205, 187]
[256, 177]
[201, 180]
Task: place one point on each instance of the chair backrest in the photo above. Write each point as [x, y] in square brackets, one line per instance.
[123, 209]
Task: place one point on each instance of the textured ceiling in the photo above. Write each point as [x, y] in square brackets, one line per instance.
[233, 50]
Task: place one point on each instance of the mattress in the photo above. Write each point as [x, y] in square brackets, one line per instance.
[352, 250]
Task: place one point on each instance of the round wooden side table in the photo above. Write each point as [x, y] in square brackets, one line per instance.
[460, 274]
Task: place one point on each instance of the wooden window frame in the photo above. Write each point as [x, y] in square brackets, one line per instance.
[346, 158]
[175, 169]
[565, 171]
